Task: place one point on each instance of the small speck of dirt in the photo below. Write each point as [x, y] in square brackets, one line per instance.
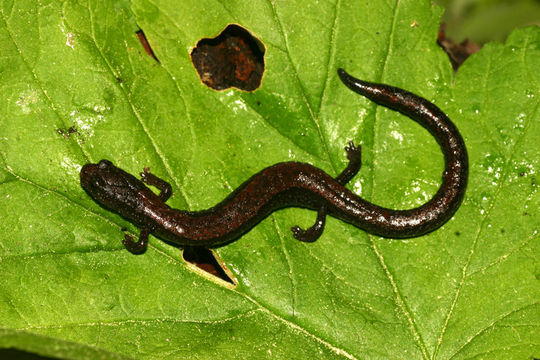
[66, 133]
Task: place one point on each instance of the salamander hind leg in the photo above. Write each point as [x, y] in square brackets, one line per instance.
[354, 154]
[314, 232]
[164, 187]
[137, 247]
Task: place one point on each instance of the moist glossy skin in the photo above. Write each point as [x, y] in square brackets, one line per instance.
[289, 184]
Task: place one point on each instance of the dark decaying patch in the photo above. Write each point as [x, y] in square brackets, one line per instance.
[205, 260]
[234, 58]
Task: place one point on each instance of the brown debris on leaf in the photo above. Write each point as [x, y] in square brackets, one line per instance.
[457, 53]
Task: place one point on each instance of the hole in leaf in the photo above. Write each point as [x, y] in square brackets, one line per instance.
[146, 44]
[205, 260]
[234, 58]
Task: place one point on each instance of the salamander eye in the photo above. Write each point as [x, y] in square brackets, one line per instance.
[104, 164]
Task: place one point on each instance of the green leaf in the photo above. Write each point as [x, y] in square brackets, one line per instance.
[70, 290]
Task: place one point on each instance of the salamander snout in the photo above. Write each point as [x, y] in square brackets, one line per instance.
[86, 175]
[96, 175]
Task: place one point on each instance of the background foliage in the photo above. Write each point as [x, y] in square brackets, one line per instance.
[487, 20]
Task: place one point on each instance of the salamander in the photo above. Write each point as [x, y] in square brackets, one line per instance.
[289, 184]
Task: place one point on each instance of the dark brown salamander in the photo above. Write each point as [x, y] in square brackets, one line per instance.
[289, 184]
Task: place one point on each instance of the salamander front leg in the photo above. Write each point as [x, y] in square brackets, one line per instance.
[163, 186]
[354, 154]
[139, 246]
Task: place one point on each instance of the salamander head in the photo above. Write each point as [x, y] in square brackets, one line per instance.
[108, 185]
